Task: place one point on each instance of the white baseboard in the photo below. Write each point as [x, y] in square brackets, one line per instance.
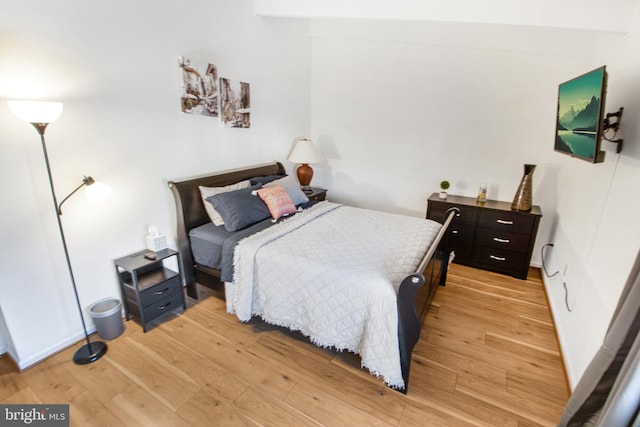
[32, 359]
[560, 336]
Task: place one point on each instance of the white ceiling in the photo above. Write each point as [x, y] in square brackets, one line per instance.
[593, 15]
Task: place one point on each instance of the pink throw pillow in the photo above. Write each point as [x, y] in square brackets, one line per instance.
[277, 200]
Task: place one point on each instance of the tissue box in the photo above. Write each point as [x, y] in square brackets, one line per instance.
[156, 243]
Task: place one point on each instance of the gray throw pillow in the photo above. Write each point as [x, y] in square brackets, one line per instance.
[240, 208]
[291, 186]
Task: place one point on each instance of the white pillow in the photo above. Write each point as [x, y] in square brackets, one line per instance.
[291, 186]
[206, 192]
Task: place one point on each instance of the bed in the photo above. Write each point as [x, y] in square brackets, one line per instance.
[337, 296]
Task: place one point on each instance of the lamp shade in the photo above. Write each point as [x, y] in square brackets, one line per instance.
[304, 152]
[97, 191]
[36, 111]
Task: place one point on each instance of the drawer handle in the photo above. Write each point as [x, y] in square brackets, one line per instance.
[497, 258]
[164, 306]
[161, 292]
[503, 221]
[499, 240]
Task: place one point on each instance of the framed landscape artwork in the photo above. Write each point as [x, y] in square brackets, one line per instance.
[579, 121]
[235, 103]
[199, 93]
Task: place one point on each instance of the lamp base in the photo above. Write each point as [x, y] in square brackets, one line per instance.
[305, 173]
[89, 353]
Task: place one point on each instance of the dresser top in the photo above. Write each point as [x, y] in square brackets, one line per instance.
[490, 204]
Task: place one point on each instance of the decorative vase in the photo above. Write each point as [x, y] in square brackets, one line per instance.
[482, 193]
[522, 199]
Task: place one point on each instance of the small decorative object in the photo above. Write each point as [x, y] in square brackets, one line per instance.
[235, 104]
[522, 199]
[482, 193]
[304, 152]
[444, 186]
[199, 87]
[156, 242]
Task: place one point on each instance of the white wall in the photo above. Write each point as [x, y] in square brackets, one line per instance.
[114, 65]
[403, 106]
[5, 339]
[398, 107]
[597, 235]
[575, 14]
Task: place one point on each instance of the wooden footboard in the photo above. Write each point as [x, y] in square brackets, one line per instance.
[413, 305]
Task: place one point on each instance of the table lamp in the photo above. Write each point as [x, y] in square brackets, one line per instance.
[304, 152]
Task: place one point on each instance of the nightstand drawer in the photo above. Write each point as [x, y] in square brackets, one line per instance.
[160, 291]
[316, 193]
[507, 221]
[503, 239]
[132, 307]
[162, 306]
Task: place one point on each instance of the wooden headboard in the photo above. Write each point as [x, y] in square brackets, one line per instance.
[190, 211]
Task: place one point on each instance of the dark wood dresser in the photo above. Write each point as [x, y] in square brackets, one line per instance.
[489, 235]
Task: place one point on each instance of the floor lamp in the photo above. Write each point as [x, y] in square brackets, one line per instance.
[40, 114]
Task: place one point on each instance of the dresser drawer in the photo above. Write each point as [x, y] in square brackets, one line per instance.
[160, 291]
[503, 240]
[506, 221]
[467, 214]
[461, 233]
[499, 259]
[463, 252]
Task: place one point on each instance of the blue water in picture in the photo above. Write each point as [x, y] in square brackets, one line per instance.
[580, 144]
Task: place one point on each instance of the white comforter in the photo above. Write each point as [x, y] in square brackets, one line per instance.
[332, 272]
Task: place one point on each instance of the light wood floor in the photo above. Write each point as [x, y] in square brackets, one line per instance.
[487, 356]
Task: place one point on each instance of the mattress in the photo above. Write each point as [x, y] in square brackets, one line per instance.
[206, 244]
[212, 246]
[332, 273]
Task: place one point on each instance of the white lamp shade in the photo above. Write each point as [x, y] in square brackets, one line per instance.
[36, 111]
[97, 191]
[304, 152]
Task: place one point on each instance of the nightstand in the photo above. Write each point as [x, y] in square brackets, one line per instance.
[149, 289]
[316, 193]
